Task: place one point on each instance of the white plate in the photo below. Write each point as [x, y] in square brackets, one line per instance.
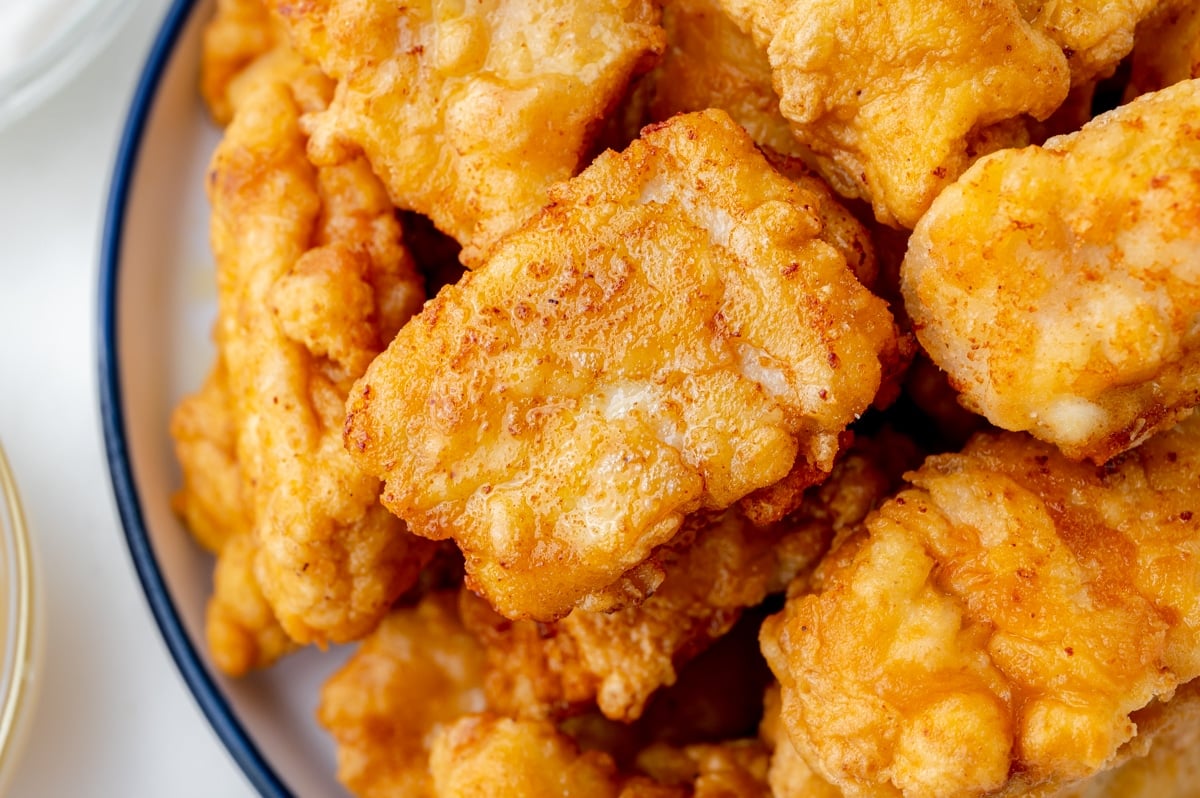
[157, 305]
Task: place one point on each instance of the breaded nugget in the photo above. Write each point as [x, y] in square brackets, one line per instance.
[240, 627]
[711, 63]
[842, 230]
[213, 499]
[469, 112]
[1094, 34]
[239, 32]
[1163, 761]
[731, 769]
[897, 102]
[1167, 49]
[311, 274]
[993, 628]
[245, 47]
[481, 756]
[418, 671]
[620, 659]
[668, 336]
[788, 775]
[1059, 286]
[727, 565]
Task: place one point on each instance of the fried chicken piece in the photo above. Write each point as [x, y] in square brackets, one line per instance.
[470, 112]
[788, 775]
[485, 755]
[311, 279]
[1163, 761]
[842, 230]
[417, 672]
[667, 336]
[240, 627]
[240, 32]
[620, 659]
[994, 628]
[1058, 286]
[710, 63]
[245, 47]
[1167, 49]
[212, 502]
[1094, 34]
[898, 102]
[733, 769]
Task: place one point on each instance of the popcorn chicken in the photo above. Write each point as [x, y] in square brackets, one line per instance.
[1167, 49]
[1058, 286]
[996, 627]
[669, 335]
[470, 112]
[898, 102]
[418, 672]
[244, 47]
[724, 566]
[311, 278]
[711, 63]
[485, 755]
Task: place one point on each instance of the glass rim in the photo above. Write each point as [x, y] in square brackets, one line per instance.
[16, 679]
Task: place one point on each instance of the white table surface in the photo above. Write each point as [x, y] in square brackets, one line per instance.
[113, 716]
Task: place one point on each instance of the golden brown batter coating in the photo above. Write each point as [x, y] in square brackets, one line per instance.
[993, 628]
[724, 566]
[1163, 761]
[1094, 34]
[469, 112]
[239, 32]
[669, 335]
[311, 278]
[730, 769]
[710, 62]
[788, 775]
[417, 672]
[240, 627]
[1167, 49]
[897, 102]
[1058, 286]
[212, 501]
[481, 756]
[243, 47]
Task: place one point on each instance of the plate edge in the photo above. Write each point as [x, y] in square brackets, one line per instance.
[187, 660]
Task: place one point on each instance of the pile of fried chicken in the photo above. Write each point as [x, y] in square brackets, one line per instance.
[711, 397]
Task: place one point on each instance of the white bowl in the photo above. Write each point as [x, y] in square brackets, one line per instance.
[157, 299]
[43, 43]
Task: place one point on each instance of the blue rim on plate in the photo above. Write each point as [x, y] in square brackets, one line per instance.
[112, 412]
